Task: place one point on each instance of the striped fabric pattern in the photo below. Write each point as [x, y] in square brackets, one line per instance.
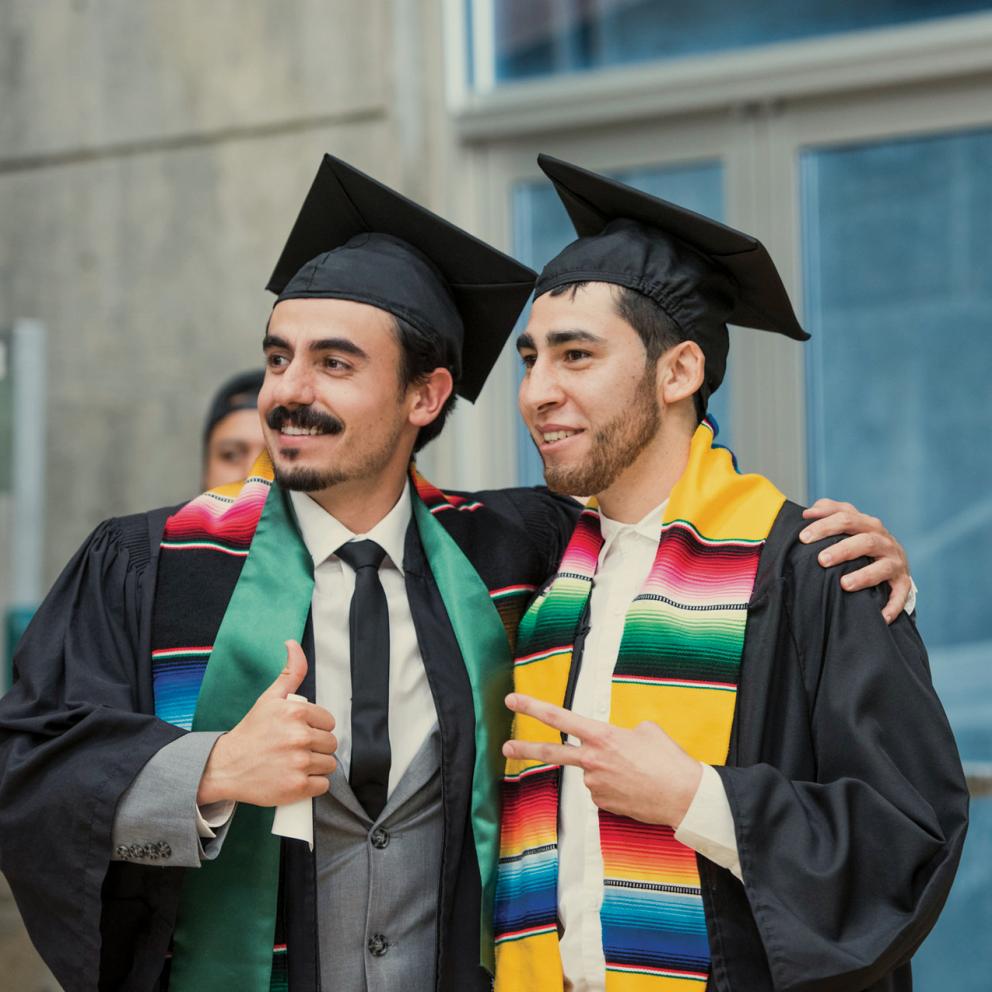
[176, 677]
[677, 666]
[220, 522]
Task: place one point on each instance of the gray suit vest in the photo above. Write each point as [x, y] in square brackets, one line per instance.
[378, 883]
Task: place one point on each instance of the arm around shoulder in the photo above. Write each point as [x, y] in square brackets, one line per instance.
[847, 867]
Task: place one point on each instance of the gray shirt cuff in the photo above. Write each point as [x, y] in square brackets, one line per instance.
[157, 818]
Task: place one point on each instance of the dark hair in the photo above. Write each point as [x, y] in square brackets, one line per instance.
[422, 354]
[654, 327]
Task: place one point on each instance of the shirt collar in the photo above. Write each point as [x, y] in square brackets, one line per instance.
[323, 534]
[648, 527]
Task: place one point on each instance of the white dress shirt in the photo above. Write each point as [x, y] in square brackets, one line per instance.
[708, 826]
[624, 563]
[412, 714]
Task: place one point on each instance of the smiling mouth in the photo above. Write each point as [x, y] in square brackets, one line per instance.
[290, 431]
[551, 438]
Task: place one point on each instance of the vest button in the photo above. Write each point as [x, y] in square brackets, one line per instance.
[377, 945]
[380, 838]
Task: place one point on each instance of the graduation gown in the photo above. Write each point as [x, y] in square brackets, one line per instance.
[848, 797]
[78, 725]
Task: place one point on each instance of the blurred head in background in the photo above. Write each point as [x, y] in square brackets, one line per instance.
[232, 432]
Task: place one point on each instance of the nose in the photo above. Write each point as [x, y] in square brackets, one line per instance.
[294, 385]
[540, 390]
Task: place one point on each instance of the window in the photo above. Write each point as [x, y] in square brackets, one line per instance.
[899, 301]
[527, 39]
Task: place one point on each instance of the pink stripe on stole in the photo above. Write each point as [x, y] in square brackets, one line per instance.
[583, 549]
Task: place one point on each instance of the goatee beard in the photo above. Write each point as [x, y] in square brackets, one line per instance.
[348, 466]
[307, 480]
[615, 446]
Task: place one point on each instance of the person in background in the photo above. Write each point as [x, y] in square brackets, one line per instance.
[232, 432]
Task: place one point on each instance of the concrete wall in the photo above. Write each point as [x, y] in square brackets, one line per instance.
[153, 156]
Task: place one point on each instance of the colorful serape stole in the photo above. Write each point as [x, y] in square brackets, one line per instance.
[241, 537]
[225, 930]
[677, 666]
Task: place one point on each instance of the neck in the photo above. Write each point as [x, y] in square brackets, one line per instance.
[649, 479]
[360, 504]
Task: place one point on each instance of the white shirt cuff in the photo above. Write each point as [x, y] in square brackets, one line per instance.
[708, 825]
[212, 817]
[910, 606]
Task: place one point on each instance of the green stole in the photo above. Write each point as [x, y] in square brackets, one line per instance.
[227, 913]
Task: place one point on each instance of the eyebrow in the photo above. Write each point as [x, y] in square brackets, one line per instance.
[557, 338]
[344, 345]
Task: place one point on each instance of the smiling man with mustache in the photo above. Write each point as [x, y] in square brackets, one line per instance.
[155, 724]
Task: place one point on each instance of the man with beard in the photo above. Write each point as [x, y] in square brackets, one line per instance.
[405, 600]
[724, 772]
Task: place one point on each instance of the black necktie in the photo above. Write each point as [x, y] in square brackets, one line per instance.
[368, 623]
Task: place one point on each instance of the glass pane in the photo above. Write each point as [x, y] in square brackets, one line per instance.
[898, 268]
[533, 38]
[541, 229]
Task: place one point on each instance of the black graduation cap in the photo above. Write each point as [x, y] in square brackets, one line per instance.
[240, 392]
[356, 239]
[703, 274]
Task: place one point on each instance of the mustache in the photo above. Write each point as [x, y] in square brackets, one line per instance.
[304, 417]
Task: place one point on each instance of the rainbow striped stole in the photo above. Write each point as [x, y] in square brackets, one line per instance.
[220, 523]
[678, 666]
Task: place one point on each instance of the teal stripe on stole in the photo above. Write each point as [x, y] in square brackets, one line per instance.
[486, 653]
[227, 914]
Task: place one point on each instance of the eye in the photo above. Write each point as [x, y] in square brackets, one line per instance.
[276, 361]
[576, 355]
[336, 365]
[528, 361]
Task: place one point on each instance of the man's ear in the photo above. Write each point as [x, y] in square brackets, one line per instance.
[428, 396]
[681, 371]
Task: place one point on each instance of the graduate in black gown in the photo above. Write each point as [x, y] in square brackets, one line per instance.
[802, 837]
[84, 716]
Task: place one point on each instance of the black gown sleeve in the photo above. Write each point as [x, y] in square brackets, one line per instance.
[846, 872]
[72, 738]
[548, 518]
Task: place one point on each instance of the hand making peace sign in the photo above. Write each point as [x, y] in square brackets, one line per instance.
[641, 773]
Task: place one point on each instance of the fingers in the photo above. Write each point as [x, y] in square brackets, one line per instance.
[547, 754]
[321, 764]
[864, 578]
[318, 718]
[290, 678]
[554, 716]
[897, 599]
[317, 785]
[842, 522]
[322, 742]
[858, 546]
[824, 507]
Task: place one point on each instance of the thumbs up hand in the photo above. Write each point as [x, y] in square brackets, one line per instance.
[281, 751]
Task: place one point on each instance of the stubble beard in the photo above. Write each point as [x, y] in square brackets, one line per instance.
[310, 479]
[615, 447]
